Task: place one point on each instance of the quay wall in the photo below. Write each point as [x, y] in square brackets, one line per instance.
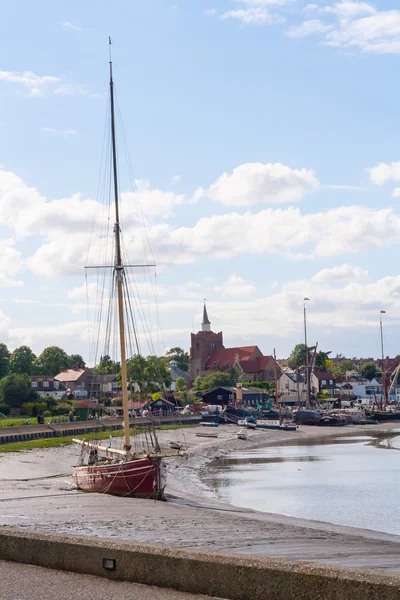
[25, 433]
[226, 576]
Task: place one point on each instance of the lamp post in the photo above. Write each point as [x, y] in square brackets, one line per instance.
[305, 343]
[382, 312]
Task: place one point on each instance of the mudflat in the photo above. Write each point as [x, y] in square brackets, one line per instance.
[37, 493]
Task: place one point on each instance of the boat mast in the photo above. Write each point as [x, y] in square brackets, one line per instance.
[119, 273]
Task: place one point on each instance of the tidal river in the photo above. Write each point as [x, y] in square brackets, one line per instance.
[351, 481]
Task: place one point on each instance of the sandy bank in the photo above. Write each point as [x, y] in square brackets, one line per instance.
[192, 518]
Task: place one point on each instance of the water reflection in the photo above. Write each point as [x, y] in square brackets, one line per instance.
[347, 481]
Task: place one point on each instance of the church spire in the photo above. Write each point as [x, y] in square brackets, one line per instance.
[205, 324]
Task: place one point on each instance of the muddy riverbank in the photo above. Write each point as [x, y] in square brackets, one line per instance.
[37, 493]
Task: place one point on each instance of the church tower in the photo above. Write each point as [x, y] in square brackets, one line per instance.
[203, 343]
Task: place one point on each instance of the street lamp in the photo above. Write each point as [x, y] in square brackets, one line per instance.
[305, 343]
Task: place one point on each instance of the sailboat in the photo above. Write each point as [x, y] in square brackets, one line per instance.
[121, 472]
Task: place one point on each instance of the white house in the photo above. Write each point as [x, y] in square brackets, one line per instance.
[47, 386]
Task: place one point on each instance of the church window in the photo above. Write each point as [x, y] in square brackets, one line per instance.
[212, 346]
[197, 346]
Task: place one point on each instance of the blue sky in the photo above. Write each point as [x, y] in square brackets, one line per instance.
[263, 135]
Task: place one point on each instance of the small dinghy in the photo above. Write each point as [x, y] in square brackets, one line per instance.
[250, 422]
[241, 435]
[208, 434]
[176, 446]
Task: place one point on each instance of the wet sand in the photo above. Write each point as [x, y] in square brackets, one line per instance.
[33, 495]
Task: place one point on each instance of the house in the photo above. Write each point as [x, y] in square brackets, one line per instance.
[177, 372]
[224, 395]
[372, 391]
[103, 386]
[47, 386]
[161, 407]
[208, 353]
[88, 409]
[76, 381]
[292, 384]
[322, 381]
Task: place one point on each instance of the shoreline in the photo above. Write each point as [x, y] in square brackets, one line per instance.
[192, 517]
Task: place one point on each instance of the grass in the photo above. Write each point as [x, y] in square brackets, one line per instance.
[56, 442]
[21, 422]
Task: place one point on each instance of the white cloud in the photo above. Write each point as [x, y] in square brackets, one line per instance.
[235, 287]
[343, 273]
[308, 28]
[252, 16]
[352, 188]
[311, 8]
[385, 172]
[257, 183]
[35, 84]
[353, 25]
[59, 132]
[68, 26]
[396, 192]
[176, 178]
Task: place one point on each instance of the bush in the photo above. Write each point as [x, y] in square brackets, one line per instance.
[4, 409]
[47, 413]
[60, 410]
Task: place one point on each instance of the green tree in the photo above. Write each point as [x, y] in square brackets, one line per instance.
[297, 357]
[15, 389]
[76, 361]
[4, 358]
[51, 361]
[369, 370]
[181, 357]
[107, 366]
[136, 370]
[180, 384]
[157, 373]
[214, 379]
[21, 360]
[322, 360]
[343, 367]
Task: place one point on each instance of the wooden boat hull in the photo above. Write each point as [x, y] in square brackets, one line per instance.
[139, 478]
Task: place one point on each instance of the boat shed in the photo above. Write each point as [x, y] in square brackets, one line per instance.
[88, 409]
[224, 395]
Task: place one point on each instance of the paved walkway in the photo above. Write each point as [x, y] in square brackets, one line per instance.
[26, 582]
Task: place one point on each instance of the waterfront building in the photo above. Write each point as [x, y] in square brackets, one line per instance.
[208, 353]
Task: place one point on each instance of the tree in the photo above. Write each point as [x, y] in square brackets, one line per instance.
[157, 373]
[214, 379]
[369, 370]
[15, 389]
[322, 360]
[135, 370]
[181, 357]
[297, 357]
[343, 367]
[180, 384]
[107, 366]
[51, 361]
[76, 361]
[4, 358]
[21, 360]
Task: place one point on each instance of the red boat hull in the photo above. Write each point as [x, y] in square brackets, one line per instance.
[139, 478]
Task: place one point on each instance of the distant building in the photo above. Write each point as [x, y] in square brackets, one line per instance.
[76, 381]
[224, 395]
[208, 353]
[322, 381]
[47, 386]
[292, 384]
[176, 372]
[103, 386]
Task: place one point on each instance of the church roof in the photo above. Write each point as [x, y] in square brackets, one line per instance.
[225, 357]
[205, 320]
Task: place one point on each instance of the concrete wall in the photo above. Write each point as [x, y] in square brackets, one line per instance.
[233, 577]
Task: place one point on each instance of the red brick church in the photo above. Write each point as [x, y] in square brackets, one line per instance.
[208, 353]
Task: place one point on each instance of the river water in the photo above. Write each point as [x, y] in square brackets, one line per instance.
[351, 481]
